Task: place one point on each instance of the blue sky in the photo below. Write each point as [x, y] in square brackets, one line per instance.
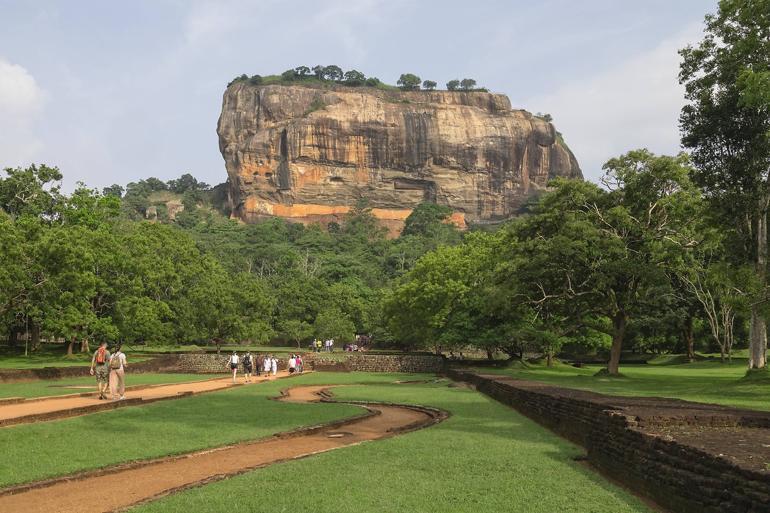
[116, 91]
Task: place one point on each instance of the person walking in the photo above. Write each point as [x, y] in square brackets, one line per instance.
[299, 364]
[234, 364]
[259, 362]
[100, 368]
[331, 345]
[268, 365]
[274, 365]
[118, 374]
[292, 364]
[248, 363]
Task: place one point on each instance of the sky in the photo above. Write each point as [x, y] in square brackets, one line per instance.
[112, 92]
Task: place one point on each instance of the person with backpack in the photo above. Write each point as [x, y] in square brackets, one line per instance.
[117, 374]
[292, 364]
[234, 364]
[248, 363]
[100, 368]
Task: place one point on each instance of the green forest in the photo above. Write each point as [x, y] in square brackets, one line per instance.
[667, 254]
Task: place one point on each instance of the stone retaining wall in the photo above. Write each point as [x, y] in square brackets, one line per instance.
[338, 362]
[614, 432]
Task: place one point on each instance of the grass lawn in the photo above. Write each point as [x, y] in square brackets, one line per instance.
[60, 386]
[48, 356]
[47, 449]
[704, 381]
[484, 458]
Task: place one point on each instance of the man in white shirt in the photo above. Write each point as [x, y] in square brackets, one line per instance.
[292, 364]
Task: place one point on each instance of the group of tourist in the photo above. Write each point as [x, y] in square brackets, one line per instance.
[252, 365]
[295, 364]
[318, 345]
[109, 367]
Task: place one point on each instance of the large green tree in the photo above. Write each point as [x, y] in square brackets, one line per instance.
[725, 124]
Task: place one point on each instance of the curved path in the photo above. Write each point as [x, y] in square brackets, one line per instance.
[57, 407]
[151, 480]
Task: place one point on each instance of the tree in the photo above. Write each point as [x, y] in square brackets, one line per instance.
[187, 182]
[333, 73]
[598, 258]
[113, 190]
[431, 220]
[429, 85]
[409, 82]
[302, 71]
[725, 124]
[255, 80]
[331, 323]
[318, 71]
[373, 82]
[34, 191]
[354, 78]
[452, 85]
[467, 84]
[545, 117]
[155, 184]
[289, 75]
[295, 330]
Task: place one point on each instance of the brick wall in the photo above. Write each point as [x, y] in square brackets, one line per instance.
[339, 362]
[614, 433]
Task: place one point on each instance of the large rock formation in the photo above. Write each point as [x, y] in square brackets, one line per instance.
[310, 154]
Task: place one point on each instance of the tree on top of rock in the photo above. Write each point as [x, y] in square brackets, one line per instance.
[429, 85]
[452, 85]
[333, 72]
[467, 84]
[354, 78]
[409, 82]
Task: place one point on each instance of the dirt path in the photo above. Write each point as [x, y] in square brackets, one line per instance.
[50, 408]
[155, 479]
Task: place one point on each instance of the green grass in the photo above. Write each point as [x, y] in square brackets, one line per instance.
[49, 355]
[42, 450]
[484, 458]
[703, 381]
[59, 386]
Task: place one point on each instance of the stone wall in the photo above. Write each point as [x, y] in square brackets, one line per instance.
[338, 362]
[621, 438]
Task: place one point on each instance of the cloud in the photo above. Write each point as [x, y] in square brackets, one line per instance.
[632, 105]
[21, 104]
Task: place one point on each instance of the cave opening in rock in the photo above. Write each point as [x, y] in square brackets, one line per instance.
[284, 176]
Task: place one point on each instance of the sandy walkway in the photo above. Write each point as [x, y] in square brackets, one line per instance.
[69, 406]
[161, 477]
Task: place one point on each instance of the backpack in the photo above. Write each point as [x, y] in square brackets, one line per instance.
[101, 355]
[115, 362]
[247, 361]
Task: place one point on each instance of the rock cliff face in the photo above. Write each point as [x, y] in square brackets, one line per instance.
[310, 154]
